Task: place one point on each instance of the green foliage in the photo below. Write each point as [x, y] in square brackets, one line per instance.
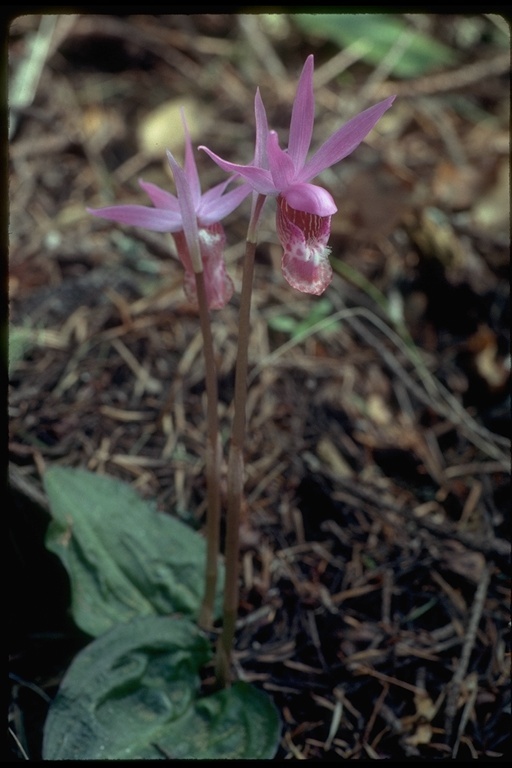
[134, 693]
[377, 34]
[21, 341]
[298, 329]
[124, 558]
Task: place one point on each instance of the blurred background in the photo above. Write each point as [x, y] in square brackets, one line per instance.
[375, 563]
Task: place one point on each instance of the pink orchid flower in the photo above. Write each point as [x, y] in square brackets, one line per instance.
[193, 220]
[304, 210]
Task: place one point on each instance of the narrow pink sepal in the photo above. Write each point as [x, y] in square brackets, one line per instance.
[344, 141]
[154, 219]
[303, 116]
[160, 197]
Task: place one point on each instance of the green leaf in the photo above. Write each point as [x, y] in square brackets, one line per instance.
[124, 558]
[134, 694]
[283, 324]
[377, 34]
[320, 309]
[21, 341]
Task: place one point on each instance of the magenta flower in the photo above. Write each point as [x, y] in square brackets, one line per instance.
[193, 220]
[304, 210]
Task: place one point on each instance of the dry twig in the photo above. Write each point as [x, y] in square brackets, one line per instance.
[462, 666]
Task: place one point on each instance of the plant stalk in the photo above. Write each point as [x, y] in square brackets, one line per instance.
[213, 461]
[236, 461]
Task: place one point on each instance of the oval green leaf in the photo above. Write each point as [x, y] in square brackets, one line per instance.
[134, 694]
[124, 558]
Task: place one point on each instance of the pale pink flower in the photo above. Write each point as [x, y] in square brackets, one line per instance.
[193, 219]
[304, 210]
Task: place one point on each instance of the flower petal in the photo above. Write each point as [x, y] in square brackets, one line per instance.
[344, 141]
[260, 150]
[305, 261]
[211, 197]
[190, 166]
[214, 209]
[280, 163]
[160, 197]
[306, 269]
[218, 285]
[258, 178]
[188, 212]
[311, 199]
[155, 219]
[303, 116]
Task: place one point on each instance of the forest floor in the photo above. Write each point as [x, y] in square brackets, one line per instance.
[375, 603]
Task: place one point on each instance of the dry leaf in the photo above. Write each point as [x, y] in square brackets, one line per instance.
[492, 212]
[425, 707]
[458, 559]
[101, 125]
[422, 735]
[378, 411]
[329, 454]
[162, 128]
[456, 186]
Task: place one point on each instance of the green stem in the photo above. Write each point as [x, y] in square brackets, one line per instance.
[213, 457]
[236, 461]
